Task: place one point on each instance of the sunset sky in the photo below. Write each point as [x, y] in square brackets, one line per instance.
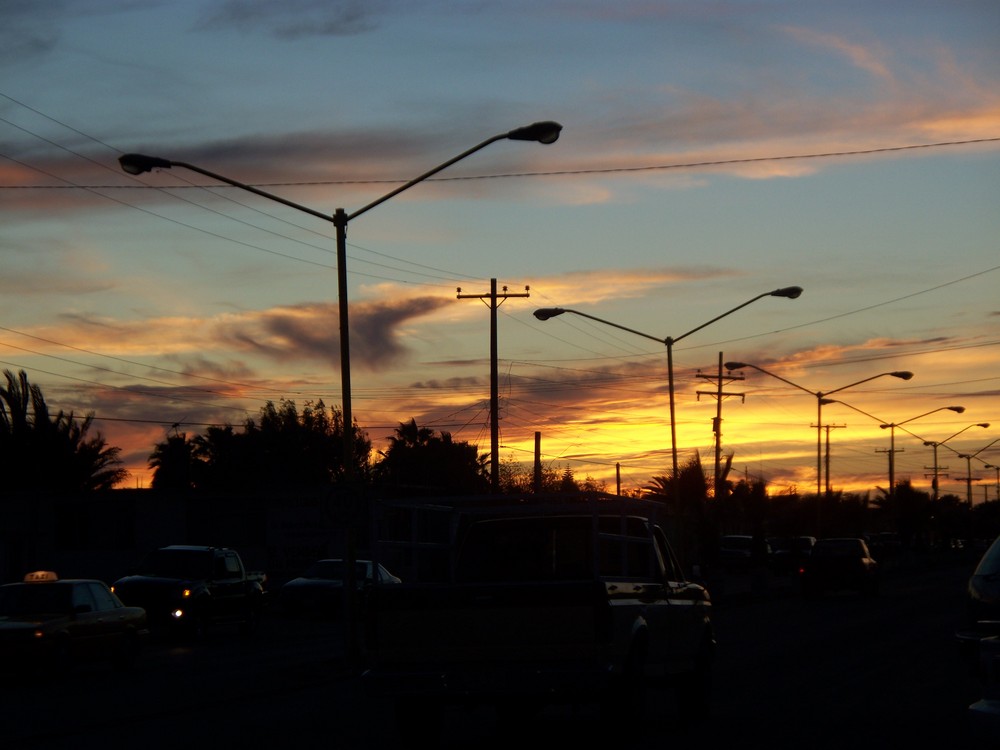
[711, 152]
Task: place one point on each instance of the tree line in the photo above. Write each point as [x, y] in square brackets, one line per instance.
[287, 448]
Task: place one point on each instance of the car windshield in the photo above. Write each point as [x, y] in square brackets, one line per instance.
[191, 564]
[20, 600]
[333, 570]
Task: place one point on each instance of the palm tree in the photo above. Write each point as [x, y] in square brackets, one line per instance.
[38, 451]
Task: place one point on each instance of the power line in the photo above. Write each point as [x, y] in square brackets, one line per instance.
[561, 172]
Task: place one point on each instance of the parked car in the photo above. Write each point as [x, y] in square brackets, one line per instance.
[188, 588]
[320, 589]
[789, 553]
[982, 616]
[50, 623]
[741, 552]
[840, 564]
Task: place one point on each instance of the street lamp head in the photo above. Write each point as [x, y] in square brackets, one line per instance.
[542, 132]
[139, 163]
[902, 374]
[825, 401]
[886, 426]
[956, 409]
[736, 365]
[544, 313]
[791, 292]
[982, 424]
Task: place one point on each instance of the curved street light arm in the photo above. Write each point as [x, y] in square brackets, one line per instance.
[544, 313]
[790, 292]
[902, 374]
[138, 163]
[741, 365]
[542, 132]
[984, 448]
[956, 409]
[860, 411]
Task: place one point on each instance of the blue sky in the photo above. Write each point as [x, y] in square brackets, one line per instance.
[711, 152]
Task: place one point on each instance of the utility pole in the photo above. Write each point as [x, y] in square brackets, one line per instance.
[494, 377]
[828, 427]
[719, 394]
[892, 451]
[536, 483]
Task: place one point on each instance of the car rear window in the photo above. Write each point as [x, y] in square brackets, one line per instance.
[990, 563]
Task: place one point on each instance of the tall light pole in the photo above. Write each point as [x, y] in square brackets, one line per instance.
[891, 426]
[936, 444]
[821, 400]
[789, 292]
[968, 475]
[997, 469]
[135, 164]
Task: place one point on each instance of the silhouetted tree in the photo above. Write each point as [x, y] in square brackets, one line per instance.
[282, 449]
[39, 451]
[685, 508]
[174, 464]
[419, 462]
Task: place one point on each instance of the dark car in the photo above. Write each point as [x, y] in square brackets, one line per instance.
[789, 553]
[838, 565]
[742, 552]
[50, 623]
[320, 589]
[982, 616]
[187, 588]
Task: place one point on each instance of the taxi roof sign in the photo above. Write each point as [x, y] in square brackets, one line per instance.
[41, 576]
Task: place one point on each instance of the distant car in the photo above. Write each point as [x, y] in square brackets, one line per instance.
[840, 564]
[320, 589]
[741, 552]
[48, 623]
[789, 553]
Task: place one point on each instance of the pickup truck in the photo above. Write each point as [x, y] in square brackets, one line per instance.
[572, 603]
[188, 588]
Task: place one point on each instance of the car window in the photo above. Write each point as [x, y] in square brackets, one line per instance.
[990, 563]
[232, 566]
[83, 600]
[670, 564]
[103, 598]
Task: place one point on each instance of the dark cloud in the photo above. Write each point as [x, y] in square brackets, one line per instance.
[312, 331]
[374, 328]
[293, 19]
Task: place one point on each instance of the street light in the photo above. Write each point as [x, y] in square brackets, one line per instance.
[135, 164]
[968, 474]
[821, 400]
[997, 469]
[935, 445]
[891, 426]
[789, 292]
